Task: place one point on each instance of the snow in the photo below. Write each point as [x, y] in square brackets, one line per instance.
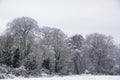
[75, 77]
[6, 76]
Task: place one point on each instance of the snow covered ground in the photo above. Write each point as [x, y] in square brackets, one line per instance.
[82, 77]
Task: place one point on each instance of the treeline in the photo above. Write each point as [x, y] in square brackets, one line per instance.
[49, 50]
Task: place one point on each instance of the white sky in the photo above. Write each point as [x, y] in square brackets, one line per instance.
[71, 16]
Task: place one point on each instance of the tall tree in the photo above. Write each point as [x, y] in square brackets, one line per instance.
[54, 46]
[98, 48]
[6, 42]
[23, 30]
[75, 44]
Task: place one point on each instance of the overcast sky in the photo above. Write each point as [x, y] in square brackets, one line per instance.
[71, 16]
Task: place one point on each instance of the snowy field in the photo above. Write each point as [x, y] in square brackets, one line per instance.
[83, 77]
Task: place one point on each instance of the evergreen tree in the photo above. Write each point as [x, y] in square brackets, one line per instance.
[16, 58]
[46, 63]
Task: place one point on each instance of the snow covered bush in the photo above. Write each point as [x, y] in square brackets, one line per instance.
[7, 76]
[5, 72]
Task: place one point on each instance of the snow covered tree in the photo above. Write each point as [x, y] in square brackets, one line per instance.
[116, 58]
[75, 43]
[6, 42]
[98, 49]
[23, 30]
[54, 47]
